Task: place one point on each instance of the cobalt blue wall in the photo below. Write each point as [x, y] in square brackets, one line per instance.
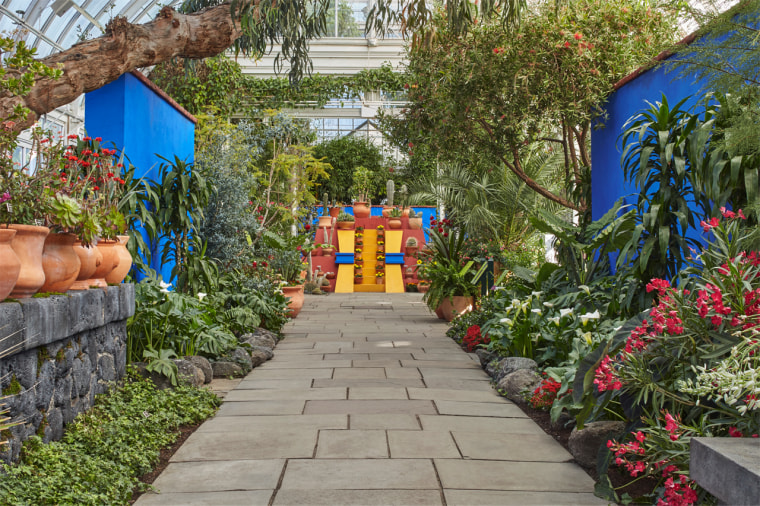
[142, 124]
[607, 183]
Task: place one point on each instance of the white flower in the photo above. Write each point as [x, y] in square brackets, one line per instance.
[507, 321]
[164, 286]
[537, 311]
[587, 337]
[554, 320]
[590, 316]
[548, 304]
[585, 288]
[515, 303]
[201, 295]
[536, 294]
[565, 312]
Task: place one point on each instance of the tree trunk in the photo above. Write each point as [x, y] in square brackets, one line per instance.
[123, 48]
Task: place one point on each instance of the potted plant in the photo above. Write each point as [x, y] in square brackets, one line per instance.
[381, 231]
[411, 246]
[381, 246]
[361, 188]
[380, 277]
[325, 221]
[358, 278]
[345, 221]
[394, 220]
[415, 220]
[288, 266]
[327, 248]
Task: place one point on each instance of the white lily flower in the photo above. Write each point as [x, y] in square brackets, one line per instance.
[590, 316]
[507, 321]
[554, 320]
[585, 288]
[565, 312]
[548, 304]
[201, 295]
[537, 311]
[164, 286]
[587, 337]
[516, 303]
[536, 294]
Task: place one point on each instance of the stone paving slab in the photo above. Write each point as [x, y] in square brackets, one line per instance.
[263, 443]
[512, 498]
[359, 474]
[283, 407]
[370, 407]
[225, 498]
[236, 424]
[499, 446]
[367, 402]
[533, 476]
[358, 498]
[352, 444]
[220, 476]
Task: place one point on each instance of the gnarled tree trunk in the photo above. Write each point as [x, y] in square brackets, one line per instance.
[124, 47]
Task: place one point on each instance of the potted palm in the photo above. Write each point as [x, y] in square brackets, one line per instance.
[361, 188]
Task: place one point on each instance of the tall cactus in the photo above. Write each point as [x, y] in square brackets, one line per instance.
[390, 187]
[325, 200]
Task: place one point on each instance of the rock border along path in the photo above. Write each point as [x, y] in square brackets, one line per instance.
[367, 402]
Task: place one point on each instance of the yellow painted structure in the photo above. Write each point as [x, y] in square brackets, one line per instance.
[394, 278]
[344, 281]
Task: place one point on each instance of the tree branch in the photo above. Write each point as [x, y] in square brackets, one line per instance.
[518, 171]
[125, 47]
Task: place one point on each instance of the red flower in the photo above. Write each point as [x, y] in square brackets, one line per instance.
[734, 432]
[264, 264]
[567, 44]
[96, 188]
[98, 139]
[307, 227]
[578, 36]
[254, 265]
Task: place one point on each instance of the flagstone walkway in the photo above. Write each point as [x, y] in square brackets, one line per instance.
[367, 402]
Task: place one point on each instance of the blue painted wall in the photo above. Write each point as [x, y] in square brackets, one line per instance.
[142, 124]
[607, 182]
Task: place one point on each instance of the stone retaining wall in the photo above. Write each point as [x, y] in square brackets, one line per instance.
[58, 353]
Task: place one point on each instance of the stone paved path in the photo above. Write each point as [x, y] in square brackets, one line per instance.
[367, 402]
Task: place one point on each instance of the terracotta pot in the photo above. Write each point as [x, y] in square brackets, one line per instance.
[411, 251]
[408, 281]
[345, 225]
[394, 223]
[334, 212]
[453, 306]
[110, 261]
[125, 261]
[362, 210]
[60, 262]
[415, 223]
[10, 265]
[330, 275]
[328, 252]
[358, 281]
[387, 211]
[325, 222]
[296, 299]
[28, 244]
[90, 259]
[380, 280]
[405, 212]
[423, 287]
[439, 312]
[408, 272]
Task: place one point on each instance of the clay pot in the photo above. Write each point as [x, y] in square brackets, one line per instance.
[380, 280]
[345, 225]
[325, 222]
[334, 212]
[10, 265]
[110, 261]
[328, 251]
[387, 211]
[330, 275]
[423, 287]
[453, 306]
[125, 261]
[415, 223]
[405, 212]
[409, 272]
[60, 262]
[358, 280]
[295, 293]
[28, 244]
[90, 259]
[411, 251]
[362, 210]
[394, 223]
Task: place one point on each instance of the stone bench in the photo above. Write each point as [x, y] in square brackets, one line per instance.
[728, 468]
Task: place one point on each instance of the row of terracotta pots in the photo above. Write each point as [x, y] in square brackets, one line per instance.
[34, 260]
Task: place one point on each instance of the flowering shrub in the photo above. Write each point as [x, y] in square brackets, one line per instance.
[545, 394]
[693, 358]
[474, 338]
